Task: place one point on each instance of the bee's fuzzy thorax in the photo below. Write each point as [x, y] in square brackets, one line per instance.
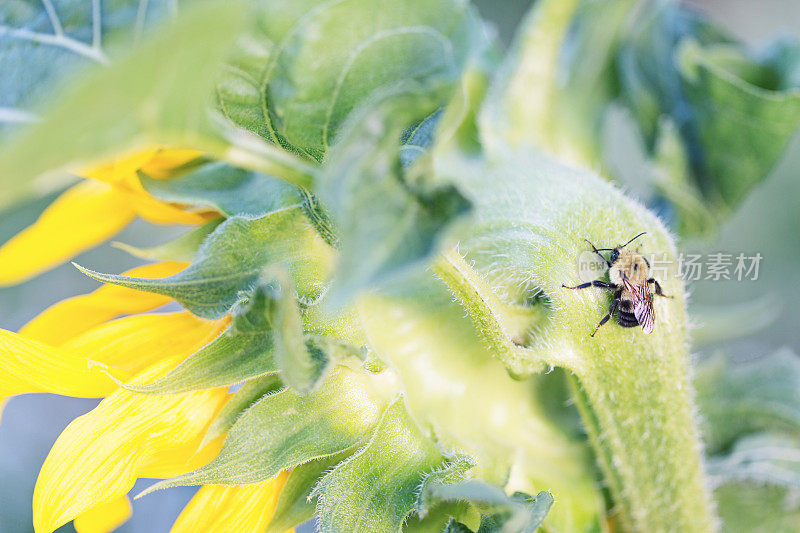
[632, 264]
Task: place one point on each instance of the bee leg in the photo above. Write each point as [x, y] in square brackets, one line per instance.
[594, 248]
[595, 283]
[658, 288]
[611, 311]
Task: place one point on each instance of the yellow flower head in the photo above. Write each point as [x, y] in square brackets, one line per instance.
[94, 210]
[87, 345]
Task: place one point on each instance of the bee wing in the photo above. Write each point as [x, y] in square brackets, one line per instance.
[642, 305]
[645, 314]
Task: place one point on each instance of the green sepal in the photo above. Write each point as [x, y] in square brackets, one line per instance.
[243, 351]
[227, 360]
[226, 189]
[283, 429]
[459, 517]
[183, 248]
[241, 400]
[375, 489]
[232, 259]
[455, 470]
[300, 362]
[433, 515]
[518, 512]
[296, 504]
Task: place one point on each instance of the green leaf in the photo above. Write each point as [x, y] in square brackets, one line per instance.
[744, 118]
[277, 87]
[296, 503]
[374, 490]
[735, 109]
[112, 109]
[747, 507]
[364, 180]
[319, 218]
[183, 248]
[756, 484]
[417, 139]
[573, 61]
[760, 458]
[229, 190]
[521, 104]
[456, 527]
[242, 399]
[244, 351]
[42, 43]
[725, 322]
[233, 258]
[283, 430]
[735, 399]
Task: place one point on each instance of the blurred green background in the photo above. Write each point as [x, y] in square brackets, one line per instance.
[767, 223]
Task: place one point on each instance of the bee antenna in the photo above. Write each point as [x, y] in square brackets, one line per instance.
[630, 241]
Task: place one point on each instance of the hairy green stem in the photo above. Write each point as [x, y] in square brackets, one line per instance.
[502, 327]
[634, 391]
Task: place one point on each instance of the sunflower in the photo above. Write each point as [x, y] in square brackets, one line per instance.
[374, 329]
[76, 346]
[277, 408]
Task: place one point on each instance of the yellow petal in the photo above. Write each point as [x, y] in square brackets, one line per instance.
[171, 463]
[124, 347]
[156, 162]
[105, 517]
[30, 366]
[69, 318]
[165, 160]
[122, 174]
[231, 508]
[159, 212]
[82, 217]
[127, 346]
[99, 455]
[120, 170]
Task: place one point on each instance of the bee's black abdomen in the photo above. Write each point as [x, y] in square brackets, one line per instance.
[627, 320]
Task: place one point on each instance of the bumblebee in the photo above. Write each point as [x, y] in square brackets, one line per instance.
[629, 278]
